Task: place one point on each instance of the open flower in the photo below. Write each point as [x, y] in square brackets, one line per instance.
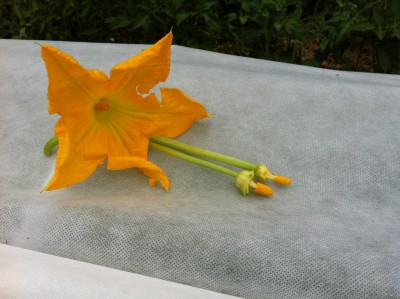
[114, 117]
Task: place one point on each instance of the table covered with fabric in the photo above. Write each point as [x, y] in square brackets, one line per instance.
[333, 233]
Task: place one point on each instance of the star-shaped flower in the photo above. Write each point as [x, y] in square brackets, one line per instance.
[114, 117]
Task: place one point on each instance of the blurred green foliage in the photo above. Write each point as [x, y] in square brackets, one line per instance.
[355, 35]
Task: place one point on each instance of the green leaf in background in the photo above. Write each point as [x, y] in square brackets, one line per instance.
[118, 22]
[384, 60]
[395, 7]
[140, 22]
[282, 30]
[180, 17]
[211, 23]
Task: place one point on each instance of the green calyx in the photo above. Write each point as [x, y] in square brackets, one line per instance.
[243, 181]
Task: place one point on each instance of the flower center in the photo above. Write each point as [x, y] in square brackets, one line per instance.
[102, 105]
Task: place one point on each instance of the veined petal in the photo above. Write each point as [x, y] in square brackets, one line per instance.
[132, 123]
[81, 150]
[147, 167]
[172, 117]
[98, 75]
[72, 89]
[143, 71]
[178, 113]
[125, 140]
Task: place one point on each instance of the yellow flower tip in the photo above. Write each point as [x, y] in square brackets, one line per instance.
[282, 180]
[263, 190]
[153, 182]
[167, 186]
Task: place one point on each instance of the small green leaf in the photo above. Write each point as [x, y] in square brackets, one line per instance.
[243, 19]
[277, 26]
[312, 62]
[118, 22]
[324, 43]
[397, 31]
[22, 33]
[380, 33]
[212, 24]
[384, 60]
[205, 5]
[377, 16]
[85, 10]
[364, 26]
[344, 32]
[180, 17]
[231, 16]
[141, 22]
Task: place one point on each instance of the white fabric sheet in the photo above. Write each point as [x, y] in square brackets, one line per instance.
[333, 234]
[30, 274]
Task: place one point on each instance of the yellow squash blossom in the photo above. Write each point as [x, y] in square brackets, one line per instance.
[114, 117]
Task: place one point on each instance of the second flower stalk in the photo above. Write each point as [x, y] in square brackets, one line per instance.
[244, 178]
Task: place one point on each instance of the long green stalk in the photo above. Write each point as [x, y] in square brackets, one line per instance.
[199, 152]
[192, 159]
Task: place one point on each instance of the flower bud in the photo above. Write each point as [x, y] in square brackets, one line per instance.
[262, 172]
[243, 181]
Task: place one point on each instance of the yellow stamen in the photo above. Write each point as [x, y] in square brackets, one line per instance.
[282, 180]
[263, 190]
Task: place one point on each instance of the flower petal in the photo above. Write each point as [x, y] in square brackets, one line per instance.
[172, 117]
[72, 89]
[143, 71]
[124, 139]
[147, 167]
[79, 156]
[177, 113]
[132, 123]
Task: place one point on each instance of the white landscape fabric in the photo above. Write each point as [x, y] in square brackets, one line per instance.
[30, 274]
[334, 233]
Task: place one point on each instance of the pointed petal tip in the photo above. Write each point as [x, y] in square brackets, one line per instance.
[167, 187]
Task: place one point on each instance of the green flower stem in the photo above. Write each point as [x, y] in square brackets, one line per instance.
[199, 152]
[50, 145]
[192, 159]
